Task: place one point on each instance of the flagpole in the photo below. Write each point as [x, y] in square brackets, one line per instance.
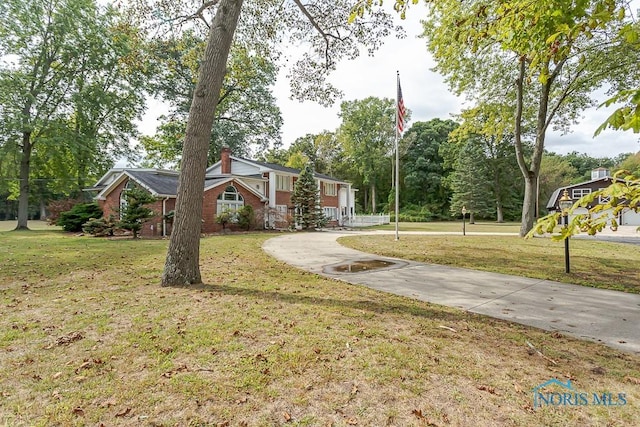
[397, 179]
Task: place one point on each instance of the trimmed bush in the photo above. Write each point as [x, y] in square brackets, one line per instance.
[74, 219]
[246, 218]
[100, 227]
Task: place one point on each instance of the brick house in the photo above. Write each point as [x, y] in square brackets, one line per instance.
[229, 184]
[600, 178]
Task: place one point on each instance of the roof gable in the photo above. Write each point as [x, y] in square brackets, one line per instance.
[157, 182]
[606, 181]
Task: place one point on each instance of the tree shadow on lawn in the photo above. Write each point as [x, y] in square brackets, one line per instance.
[413, 307]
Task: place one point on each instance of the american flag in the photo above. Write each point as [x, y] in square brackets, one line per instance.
[401, 110]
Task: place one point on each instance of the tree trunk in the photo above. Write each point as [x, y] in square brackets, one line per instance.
[528, 204]
[182, 263]
[472, 220]
[499, 212]
[43, 209]
[23, 198]
[373, 198]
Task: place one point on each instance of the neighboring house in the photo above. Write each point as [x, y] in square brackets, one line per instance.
[229, 184]
[600, 178]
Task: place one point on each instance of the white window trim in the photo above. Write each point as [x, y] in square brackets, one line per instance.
[232, 206]
[284, 182]
[330, 188]
[577, 193]
[331, 213]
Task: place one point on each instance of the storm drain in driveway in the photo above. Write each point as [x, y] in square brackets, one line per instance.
[359, 266]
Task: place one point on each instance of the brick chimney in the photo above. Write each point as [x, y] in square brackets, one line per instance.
[226, 161]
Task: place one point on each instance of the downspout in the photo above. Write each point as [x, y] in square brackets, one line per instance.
[164, 217]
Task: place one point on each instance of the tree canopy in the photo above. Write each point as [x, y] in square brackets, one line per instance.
[71, 85]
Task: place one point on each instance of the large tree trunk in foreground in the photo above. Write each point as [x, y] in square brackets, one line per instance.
[25, 167]
[182, 263]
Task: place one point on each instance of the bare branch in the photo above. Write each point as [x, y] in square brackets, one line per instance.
[326, 36]
[198, 14]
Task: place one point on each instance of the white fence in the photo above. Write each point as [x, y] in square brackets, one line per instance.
[367, 220]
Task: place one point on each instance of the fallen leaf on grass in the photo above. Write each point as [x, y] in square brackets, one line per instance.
[598, 370]
[123, 413]
[172, 372]
[69, 338]
[108, 403]
[287, 416]
[78, 411]
[418, 413]
[352, 422]
[633, 380]
[487, 388]
[354, 390]
[420, 416]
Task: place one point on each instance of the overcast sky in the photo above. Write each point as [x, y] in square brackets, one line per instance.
[424, 92]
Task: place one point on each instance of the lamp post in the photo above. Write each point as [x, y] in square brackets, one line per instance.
[565, 204]
[464, 212]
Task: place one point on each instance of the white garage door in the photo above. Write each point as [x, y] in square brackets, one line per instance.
[630, 217]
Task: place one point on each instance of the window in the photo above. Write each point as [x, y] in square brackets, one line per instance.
[330, 213]
[330, 189]
[603, 199]
[123, 198]
[576, 193]
[229, 200]
[283, 183]
[282, 212]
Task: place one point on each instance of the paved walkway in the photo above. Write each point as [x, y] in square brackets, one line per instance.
[609, 317]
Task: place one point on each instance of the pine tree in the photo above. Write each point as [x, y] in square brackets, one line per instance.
[470, 182]
[135, 213]
[306, 199]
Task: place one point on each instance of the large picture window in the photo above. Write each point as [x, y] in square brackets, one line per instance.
[229, 200]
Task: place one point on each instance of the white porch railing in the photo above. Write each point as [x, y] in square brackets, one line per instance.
[367, 220]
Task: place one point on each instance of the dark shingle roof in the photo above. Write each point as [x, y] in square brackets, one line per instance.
[281, 168]
[273, 166]
[162, 183]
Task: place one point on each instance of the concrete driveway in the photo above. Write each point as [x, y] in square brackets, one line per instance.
[609, 317]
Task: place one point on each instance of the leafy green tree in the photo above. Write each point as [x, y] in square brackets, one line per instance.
[367, 137]
[584, 164]
[69, 90]
[423, 166]
[136, 212]
[484, 124]
[631, 164]
[247, 118]
[556, 53]
[306, 199]
[470, 182]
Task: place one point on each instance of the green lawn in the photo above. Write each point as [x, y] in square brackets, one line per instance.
[88, 338]
[33, 225]
[453, 226]
[598, 264]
